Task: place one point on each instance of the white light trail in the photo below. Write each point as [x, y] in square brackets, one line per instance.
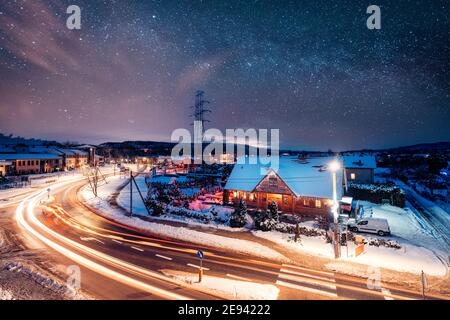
[33, 199]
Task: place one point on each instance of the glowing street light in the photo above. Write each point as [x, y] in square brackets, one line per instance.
[334, 167]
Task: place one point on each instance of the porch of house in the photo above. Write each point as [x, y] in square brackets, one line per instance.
[287, 203]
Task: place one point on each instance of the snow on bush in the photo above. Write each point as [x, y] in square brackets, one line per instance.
[238, 218]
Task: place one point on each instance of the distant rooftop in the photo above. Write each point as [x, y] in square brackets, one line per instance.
[360, 161]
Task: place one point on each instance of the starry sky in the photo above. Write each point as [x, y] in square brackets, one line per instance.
[309, 68]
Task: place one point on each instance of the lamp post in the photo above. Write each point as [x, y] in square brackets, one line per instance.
[334, 167]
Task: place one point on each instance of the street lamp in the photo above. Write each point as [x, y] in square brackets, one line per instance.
[334, 167]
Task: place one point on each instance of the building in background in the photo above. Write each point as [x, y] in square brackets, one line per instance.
[4, 167]
[28, 163]
[359, 168]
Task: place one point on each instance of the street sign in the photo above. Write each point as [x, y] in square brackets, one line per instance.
[200, 254]
[359, 249]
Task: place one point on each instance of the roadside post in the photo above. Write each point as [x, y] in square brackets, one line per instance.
[200, 270]
[346, 240]
[424, 284]
[48, 193]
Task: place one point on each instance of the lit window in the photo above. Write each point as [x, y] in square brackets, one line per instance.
[318, 204]
[285, 200]
[305, 202]
[353, 176]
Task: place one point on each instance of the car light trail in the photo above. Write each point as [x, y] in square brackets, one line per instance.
[32, 200]
[61, 214]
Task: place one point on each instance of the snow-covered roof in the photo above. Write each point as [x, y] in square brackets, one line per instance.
[309, 178]
[27, 156]
[360, 161]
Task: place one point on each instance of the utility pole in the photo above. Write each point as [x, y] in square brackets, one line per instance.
[424, 284]
[200, 270]
[131, 193]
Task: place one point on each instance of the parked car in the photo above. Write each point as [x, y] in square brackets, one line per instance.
[371, 225]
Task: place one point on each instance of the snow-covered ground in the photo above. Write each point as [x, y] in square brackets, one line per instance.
[180, 233]
[197, 206]
[405, 224]
[6, 295]
[419, 250]
[227, 288]
[439, 212]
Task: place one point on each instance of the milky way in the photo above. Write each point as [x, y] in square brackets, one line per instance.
[310, 68]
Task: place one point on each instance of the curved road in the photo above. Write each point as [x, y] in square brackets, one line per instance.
[118, 262]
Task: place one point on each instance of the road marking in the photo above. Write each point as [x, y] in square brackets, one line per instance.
[306, 281]
[116, 241]
[238, 278]
[307, 275]
[163, 257]
[138, 249]
[306, 269]
[198, 267]
[302, 288]
[387, 294]
[91, 239]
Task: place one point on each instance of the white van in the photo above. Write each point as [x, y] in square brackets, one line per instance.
[371, 225]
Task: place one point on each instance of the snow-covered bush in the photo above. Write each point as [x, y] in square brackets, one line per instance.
[268, 224]
[377, 193]
[273, 211]
[383, 243]
[238, 218]
[269, 219]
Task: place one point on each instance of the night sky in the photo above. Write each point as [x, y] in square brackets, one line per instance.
[310, 68]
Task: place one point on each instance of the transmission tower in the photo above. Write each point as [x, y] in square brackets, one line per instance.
[199, 115]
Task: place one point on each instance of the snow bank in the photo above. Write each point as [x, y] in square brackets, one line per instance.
[309, 245]
[5, 295]
[227, 288]
[410, 258]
